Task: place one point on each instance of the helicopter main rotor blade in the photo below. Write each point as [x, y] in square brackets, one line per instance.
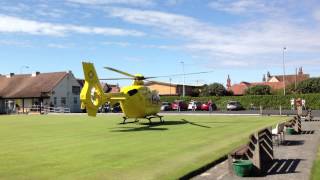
[121, 72]
[174, 75]
[114, 79]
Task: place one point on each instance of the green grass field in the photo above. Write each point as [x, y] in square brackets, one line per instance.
[316, 167]
[80, 147]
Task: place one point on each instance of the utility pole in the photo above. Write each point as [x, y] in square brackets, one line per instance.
[184, 80]
[170, 85]
[295, 80]
[284, 71]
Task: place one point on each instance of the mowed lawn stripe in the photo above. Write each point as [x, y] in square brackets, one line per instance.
[65, 147]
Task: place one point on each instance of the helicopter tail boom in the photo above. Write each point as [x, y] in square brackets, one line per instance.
[92, 95]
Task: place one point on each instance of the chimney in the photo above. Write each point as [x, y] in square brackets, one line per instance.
[34, 74]
[300, 71]
[264, 78]
[10, 75]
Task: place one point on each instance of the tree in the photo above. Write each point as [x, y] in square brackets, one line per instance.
[195, 92]
[215, 89]
[311, 85]
[259, 90]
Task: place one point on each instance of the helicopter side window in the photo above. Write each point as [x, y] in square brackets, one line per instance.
[132, 92]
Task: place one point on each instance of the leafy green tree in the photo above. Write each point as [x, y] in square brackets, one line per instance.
[195, 92]
[259, 90]
[311, 85]
[215, 89]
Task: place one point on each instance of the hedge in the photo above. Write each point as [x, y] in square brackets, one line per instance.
[266, 101]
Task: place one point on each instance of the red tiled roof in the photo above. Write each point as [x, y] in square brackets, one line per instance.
[26, 86]
[240, 89]
[292, 78]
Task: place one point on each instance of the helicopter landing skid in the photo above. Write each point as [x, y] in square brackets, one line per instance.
[155, 116]
[125, 118]
[147, 117]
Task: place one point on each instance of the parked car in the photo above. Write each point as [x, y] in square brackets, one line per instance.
[234, 105]
[179, 103]
[205, 107]
[194, 105]
[166, 106]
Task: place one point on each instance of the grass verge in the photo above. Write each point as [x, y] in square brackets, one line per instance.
[80, 147]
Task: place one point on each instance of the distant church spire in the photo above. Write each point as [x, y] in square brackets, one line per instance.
[228, 82]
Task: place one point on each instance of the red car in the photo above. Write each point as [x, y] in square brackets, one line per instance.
[183, 105]
[205, 107]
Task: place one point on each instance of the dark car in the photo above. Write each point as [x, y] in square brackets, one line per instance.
[166, 106]
[205, 107]
[179, 104]
[234, 106]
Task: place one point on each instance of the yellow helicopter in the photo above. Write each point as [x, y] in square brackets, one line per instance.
[136, 101]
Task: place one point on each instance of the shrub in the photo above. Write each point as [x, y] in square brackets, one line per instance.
[311, 85]
[259, 90]
[215, 89]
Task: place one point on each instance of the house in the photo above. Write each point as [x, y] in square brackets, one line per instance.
[289, 79]
[275, 82]
[240, 89]
[22, 92]
[115, 88]
[169, 89]
[111, 88]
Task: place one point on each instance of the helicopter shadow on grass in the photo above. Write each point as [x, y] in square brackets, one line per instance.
[155, 126]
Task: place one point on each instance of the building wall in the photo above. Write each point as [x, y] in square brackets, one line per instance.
[273, 79]
[2, 106]
[188, 90]
[164, 89]
[63, 92]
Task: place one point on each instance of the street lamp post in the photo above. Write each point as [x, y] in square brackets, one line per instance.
[284, 71]
[184, 80]
[23, 67]
[170, 85]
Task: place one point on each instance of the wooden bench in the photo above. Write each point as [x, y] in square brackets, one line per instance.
[295, 123]
[259, 150]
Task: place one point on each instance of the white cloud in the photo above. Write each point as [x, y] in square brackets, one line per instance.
[10, 24]
[137, 45]
[244, 6]
[316, 14]
[59, 46]
[231, 44]
[109, 2]
[113, 43]
[15, 43]
[173, 2]
[266, 36]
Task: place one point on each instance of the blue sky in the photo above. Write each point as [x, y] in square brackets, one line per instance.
[243, 38]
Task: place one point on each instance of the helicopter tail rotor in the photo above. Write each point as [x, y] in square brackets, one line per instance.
[92, 95]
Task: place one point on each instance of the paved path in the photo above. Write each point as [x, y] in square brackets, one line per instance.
[293, 160]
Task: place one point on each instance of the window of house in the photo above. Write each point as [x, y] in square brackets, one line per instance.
[63, 101]
[75, 100]
[55, 101]
[75, 90]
